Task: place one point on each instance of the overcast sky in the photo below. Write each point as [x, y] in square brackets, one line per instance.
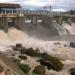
[56, 4]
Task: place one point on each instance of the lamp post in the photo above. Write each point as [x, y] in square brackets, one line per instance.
[50, 8]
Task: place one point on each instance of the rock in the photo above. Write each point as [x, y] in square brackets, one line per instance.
[72, 71]
[39, 70]
[23, 50]
[51, 62]
[19, 45]
[72, 44]
[23, 57]
[14, 48]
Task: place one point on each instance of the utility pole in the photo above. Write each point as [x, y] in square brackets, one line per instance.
[48, 7]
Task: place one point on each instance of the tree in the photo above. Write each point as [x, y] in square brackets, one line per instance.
[24, 67]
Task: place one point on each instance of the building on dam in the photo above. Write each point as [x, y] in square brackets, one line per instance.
[7, 18]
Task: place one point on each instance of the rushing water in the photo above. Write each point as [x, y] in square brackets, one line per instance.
[40, 37]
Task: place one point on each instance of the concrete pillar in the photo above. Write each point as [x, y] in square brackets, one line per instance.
[69, 20]
[46, 20]
[50, 20]
[60, 20]
[73, 19]
[19, 22]
[16, 22]
[1, 23]
[43, 20]
[5, 23]
[34, 21]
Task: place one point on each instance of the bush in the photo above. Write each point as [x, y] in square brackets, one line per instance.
[24, 67]
[51, 62]
[37, 50]
[17, 61]
[39, 70]
[33, 53]
[23, 57]
[72, 71]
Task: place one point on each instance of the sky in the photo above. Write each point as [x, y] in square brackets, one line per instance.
[39, 4]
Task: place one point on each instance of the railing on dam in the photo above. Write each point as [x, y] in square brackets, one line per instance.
[47, 13]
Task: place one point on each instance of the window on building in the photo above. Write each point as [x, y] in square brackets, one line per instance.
[2, 67]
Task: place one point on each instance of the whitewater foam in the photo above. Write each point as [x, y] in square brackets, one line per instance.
[17, 36]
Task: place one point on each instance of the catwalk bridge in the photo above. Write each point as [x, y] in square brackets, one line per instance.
[17, 18]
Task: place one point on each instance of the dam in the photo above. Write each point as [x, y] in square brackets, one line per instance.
[11, 15]
[38, 30]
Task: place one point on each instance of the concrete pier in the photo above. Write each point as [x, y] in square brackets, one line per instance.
[1, 23]
[34, 21]
[19, 22]
[47, 20]
[5, 24]
[69, 20]
[59, 20]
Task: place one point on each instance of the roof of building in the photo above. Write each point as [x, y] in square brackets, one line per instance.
[10, 64]
[8, 5]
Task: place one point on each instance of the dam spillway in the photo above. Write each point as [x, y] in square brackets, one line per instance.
[51, 22]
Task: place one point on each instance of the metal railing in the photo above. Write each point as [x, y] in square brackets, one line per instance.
[48, 13]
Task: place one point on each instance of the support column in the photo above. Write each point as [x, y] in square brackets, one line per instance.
[60, 20]
[1, 23]
[47, 20]
[43, 20]
[34, 21]
[19, 22]
[50, 20]
[73, 19]
[16, 22]
[5, 23]
[69, 20]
